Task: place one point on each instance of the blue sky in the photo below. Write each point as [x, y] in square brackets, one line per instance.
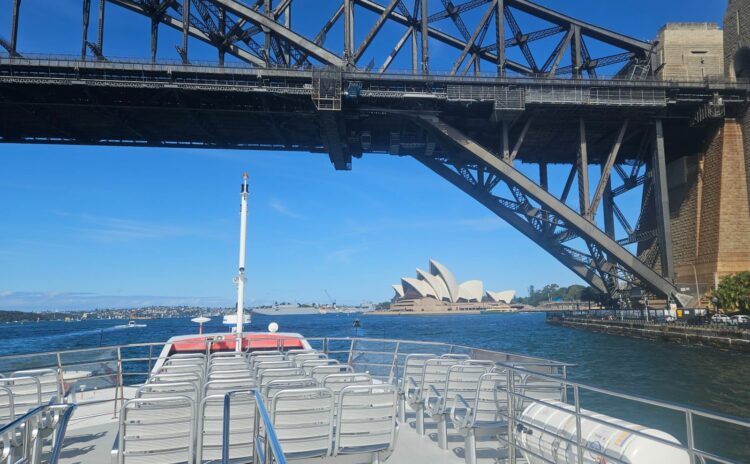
[114, 227]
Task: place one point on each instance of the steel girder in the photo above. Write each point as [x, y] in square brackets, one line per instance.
[261, 33]
[605, 263]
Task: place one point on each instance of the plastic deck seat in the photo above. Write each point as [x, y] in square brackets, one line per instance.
[289, 373]
[366, 421]
[49, 381]
[27, 392]
[274, 386]
[264, 366]
[169, 390]
[182, 377]
[481, 415]
[237, 375]
[211, 425]
[433, 376]
[256, 360]
[302, 357]
[462, 379]
[412, 368]
[303, 420]
[7, 409]
[156, 431]
[319, 373]
[309, 364]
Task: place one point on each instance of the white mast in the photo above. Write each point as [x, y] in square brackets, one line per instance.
[240, 279]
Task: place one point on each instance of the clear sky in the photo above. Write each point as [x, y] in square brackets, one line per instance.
[88, 227]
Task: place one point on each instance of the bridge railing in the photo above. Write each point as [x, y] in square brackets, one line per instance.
[50, 60]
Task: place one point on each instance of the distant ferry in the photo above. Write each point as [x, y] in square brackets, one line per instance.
[289, 310]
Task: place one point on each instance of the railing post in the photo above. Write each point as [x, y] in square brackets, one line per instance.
[351, 350]
[690, 437]
[511, 422]
[579, 452]
[325, 346]
[225, 430]
[256, 433]
[394, 365]
[119, 386]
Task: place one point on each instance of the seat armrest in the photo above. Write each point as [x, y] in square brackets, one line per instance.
[433, 402]
[465, 421]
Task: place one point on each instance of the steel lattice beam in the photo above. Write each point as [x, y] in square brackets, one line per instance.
[585, 229]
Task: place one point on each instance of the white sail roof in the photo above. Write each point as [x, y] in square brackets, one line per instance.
[417, 288]
[441, 271]
[471, 290]
[437, 284]
[501, 297]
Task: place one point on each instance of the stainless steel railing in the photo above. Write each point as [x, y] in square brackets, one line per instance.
[735, 430]
[267, 449]
[23, 439]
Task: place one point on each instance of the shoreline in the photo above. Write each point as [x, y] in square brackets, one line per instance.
[722, 338]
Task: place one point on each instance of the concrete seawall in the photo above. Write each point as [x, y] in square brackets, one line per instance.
[727, 338]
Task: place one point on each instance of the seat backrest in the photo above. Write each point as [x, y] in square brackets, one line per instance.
[223, 386]
[27, 392]
[490, 401]
[267, 375]
[435, 373]
[234, 374]
[301, 358]
[303, 420]
[226, 354]
[49, 381]
[292, 353]
[168, 390]
[412, 368]
[7, 409]
[157, 431]
[260, 367]
[165, 378]
[255, 360]
[211, 426]
[462, 379]
[321, 372]
[337, 382]
[253, 354]
[274, 386]
[198, 362]
[366, 419]
[228, 365]
[309, 364]
[182, 369]
[457, 357]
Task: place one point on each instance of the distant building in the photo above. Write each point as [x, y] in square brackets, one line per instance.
[439, 291]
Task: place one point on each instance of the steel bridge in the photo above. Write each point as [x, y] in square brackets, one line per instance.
[476, 99]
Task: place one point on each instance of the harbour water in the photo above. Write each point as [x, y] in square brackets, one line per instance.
[698, 376]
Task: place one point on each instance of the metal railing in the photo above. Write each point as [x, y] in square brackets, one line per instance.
[702, 435]
[267, 449]
[682, 424]
[23, 439]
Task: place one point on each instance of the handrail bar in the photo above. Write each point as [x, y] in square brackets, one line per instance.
[33, 444]
[736, 420]
[271, 441]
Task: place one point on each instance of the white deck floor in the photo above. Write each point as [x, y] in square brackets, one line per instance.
[93, 428]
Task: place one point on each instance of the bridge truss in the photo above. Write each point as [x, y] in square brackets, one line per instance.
[472, 114]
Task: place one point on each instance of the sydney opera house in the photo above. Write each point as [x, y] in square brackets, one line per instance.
[439, 291]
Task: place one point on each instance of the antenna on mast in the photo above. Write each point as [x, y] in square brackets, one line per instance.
[240, 279]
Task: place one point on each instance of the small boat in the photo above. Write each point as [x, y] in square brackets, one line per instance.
[130, 325]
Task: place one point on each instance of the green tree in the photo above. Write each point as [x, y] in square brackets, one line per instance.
[734, 292]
